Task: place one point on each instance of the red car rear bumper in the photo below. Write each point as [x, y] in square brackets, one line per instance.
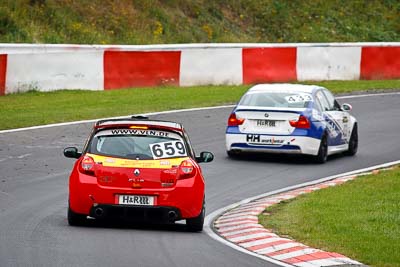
[186, 196]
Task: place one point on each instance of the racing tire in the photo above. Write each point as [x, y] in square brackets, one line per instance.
[233, 154]
[75, 219]
[353, 142]
[322, 155]
[196, 224]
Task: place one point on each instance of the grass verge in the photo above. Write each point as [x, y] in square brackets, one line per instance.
[359, 219]
[37, 108]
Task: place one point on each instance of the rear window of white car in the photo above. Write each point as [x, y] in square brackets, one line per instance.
[276, 99]
[138, 144]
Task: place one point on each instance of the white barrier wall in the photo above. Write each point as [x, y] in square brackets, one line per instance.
[211, 66]
[328, 63]
[96, 67]
[52, 71]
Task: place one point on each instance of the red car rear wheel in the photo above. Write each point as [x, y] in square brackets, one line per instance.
[196, 224]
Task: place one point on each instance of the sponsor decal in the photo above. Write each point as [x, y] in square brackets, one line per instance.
[333, 127]
[109, 160]
[139, 164]
[333, 132]
[263, 140]
[317, 115]
[139, 132]
[346, 132]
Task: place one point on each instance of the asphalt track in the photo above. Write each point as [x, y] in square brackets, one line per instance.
[34, 185]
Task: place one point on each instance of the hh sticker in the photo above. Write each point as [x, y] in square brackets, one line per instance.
[263, 140]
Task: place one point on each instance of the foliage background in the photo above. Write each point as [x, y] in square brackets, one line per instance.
[198, 21]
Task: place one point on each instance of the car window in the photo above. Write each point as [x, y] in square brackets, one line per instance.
[277, 99]
[138, 144]
[190, 148]
[333, 104]
[317, 105]
[323, 101]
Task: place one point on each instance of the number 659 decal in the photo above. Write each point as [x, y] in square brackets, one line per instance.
[168, 149]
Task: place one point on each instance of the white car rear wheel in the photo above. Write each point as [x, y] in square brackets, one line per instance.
[353, 142]
[322, 155]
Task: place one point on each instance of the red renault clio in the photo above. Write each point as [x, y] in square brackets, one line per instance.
[137, 169]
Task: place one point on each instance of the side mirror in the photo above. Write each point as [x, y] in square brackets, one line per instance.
[347, 107]
[72, 152]
[205, 157]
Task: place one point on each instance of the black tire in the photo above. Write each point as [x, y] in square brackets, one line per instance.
[75, 219]
[196, 224]
[233, 154]
[353, 142]
[322, 155]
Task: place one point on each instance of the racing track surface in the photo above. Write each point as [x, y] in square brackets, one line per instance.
[33, 192]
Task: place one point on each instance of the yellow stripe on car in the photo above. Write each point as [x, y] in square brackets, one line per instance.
[128, 163]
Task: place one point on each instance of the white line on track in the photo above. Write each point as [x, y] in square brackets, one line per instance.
[367, 95]
[166, 112]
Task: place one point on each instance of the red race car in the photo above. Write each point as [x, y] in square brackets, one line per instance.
[137, 169]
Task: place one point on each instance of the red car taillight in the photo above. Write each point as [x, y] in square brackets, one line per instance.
[302, 123]
[186, 170]
[234, 121]
[87, 165]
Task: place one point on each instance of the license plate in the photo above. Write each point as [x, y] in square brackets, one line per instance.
[136, 200]
[266, 123]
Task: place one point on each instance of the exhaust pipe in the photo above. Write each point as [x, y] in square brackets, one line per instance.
[99, 212]
[172, 215]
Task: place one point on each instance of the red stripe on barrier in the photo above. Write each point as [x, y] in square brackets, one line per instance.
[269, 65]
[380, 63]
[124, 69]
[3, 72]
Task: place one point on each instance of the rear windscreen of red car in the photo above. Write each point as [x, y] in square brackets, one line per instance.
[138, 144]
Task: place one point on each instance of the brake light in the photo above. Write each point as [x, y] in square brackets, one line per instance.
[235, 121]
[302, 123]
[186, 169]
[87, 165]
[140, 127]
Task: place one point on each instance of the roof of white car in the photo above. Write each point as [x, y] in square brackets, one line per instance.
[283, 87]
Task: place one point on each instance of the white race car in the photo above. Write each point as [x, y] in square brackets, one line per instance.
[291, 118]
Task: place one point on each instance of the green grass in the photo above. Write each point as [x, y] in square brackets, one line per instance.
[37, 108]
[359, 219]
[198, 21]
